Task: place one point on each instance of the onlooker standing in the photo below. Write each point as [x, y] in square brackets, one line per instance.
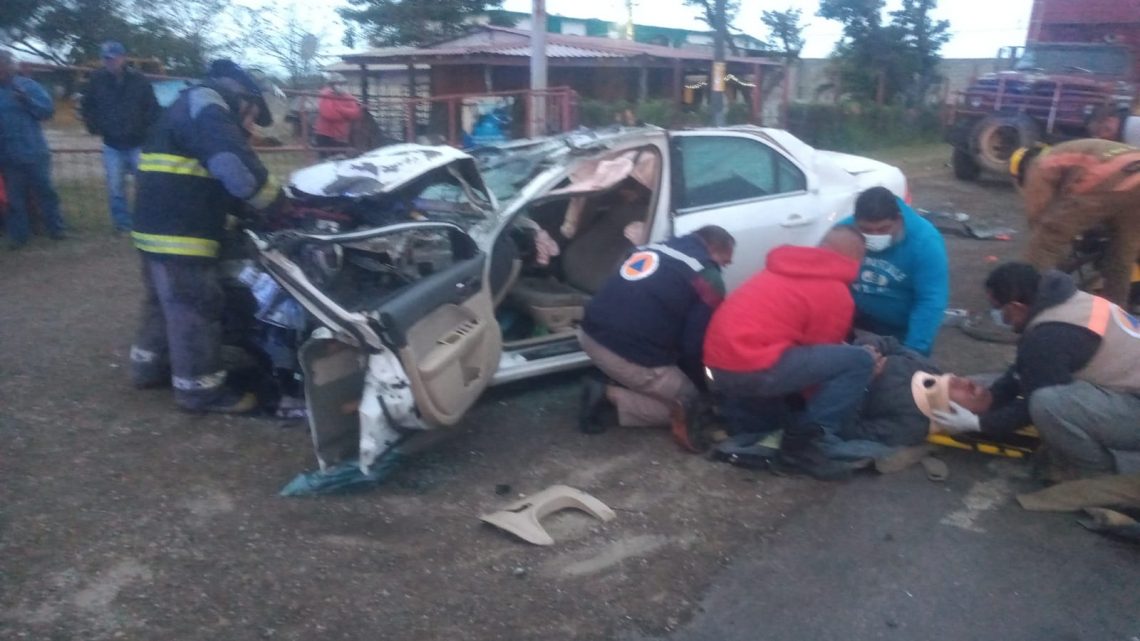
[336, 112]
[25, 160]
[119, 105]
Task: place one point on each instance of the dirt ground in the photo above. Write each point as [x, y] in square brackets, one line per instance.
[122, 518]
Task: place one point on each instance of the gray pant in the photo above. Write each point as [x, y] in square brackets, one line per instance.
[1095, 429]
[180, 331]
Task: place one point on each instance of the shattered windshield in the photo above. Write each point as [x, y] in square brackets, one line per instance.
[1111, 61]
[506, 171]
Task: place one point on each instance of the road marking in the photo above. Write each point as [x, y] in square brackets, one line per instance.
[983, 496]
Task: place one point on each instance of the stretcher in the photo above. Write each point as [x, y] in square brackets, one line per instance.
[1020, 444]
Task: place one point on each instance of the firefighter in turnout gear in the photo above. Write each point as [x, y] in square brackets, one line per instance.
[1073, 187]
[196, 169]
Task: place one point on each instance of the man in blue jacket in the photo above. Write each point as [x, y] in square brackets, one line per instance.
[644, 328]
[904, 282]
[25, 160]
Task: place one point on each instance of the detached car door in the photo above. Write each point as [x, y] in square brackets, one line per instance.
[739, 181]
[401, 352]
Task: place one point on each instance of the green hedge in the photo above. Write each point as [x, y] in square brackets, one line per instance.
[855, 127]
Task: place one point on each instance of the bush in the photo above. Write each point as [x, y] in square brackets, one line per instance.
[858, 127]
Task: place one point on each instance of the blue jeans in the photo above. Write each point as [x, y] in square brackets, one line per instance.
[33, 177]
[838, 375]
[117, 163]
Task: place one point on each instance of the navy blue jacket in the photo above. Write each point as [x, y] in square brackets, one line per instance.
[655, 310]
[197, 167]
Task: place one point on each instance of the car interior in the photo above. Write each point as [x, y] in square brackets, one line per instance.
[568, 242]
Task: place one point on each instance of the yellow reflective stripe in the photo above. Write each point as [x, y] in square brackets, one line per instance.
[172, 164]
[264, 196]
[177, 245]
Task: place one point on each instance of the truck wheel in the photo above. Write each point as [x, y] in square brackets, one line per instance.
[964, 166]
[996, 138]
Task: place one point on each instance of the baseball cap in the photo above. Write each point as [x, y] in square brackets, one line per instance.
[246, 85]
[112, 49]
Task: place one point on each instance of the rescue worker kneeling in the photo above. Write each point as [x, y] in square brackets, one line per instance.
[644, 329]
[196, 168]
[1075, 376]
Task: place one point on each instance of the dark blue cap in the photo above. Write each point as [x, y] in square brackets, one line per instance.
[112, 49]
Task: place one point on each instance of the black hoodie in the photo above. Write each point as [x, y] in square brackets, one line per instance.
[1048, 354]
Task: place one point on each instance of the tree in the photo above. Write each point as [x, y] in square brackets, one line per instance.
[281, 36]
[882, 61]
[414, 22]
[785, 33]
[180, 35]
[925, 37]
[720, 16]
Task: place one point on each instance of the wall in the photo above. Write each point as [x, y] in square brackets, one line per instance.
[812, 74]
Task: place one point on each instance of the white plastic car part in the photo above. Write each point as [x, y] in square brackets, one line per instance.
[522, 517]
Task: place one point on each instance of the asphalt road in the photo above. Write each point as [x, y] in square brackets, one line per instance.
[901, 557]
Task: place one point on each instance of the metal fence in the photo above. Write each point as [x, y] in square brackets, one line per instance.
[460, 120]
[77, 173]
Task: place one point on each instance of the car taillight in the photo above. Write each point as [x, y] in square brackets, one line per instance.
[906, 195]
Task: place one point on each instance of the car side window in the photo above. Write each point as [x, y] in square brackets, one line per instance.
[724, 169]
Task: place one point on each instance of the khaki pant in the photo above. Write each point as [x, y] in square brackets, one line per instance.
[649, 393]
[1052, 233]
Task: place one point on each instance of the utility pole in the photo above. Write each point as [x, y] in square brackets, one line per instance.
[629, 19]
[716, 77]
[538, 69]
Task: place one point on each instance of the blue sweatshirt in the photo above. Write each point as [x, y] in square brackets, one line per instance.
[902, 291]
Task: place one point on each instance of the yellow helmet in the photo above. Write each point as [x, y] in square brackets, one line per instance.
[1018, 159]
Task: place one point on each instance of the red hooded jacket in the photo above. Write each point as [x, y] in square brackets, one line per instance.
[802, 297]
[335, 114]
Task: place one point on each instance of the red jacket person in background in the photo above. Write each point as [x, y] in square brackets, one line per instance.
[336, 112]
[781, 334]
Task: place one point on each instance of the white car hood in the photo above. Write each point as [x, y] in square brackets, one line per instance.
[853, 165]
[380, 171]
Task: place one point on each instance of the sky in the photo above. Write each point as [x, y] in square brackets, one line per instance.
[979, 27]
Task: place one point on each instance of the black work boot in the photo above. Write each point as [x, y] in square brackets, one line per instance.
[800, 451]
[592, 402]
[688, 421]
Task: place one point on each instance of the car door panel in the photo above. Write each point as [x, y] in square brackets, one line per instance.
[450, 353]
[334, 377]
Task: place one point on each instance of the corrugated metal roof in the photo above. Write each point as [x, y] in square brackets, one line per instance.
[554, 51]
[504, 41]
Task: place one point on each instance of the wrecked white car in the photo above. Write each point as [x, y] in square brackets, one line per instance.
[428, 274]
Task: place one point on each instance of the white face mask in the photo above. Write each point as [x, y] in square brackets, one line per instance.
[877, 242]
